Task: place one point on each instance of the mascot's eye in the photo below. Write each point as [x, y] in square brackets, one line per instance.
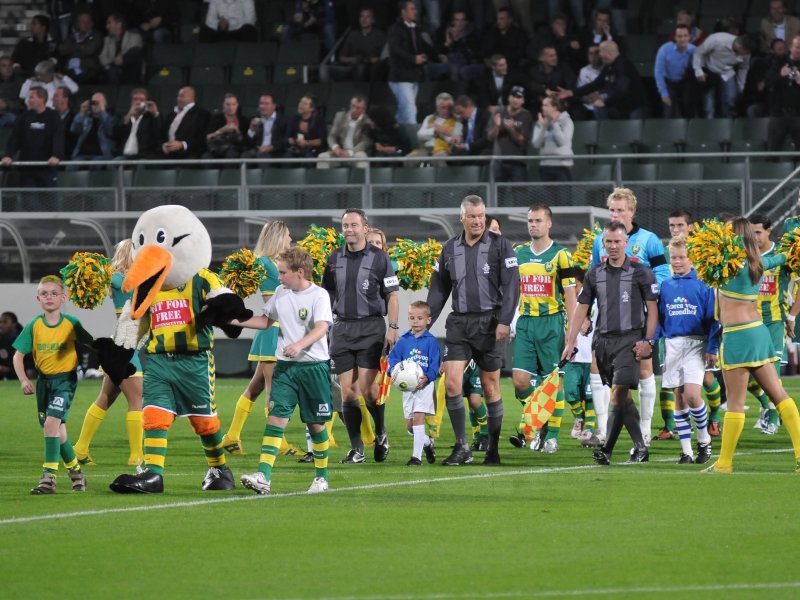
[161, 236]
[141, 239]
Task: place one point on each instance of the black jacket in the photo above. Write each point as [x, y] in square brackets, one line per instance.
[486, 92]
[402, 56]
[480, 144]
[278, 136]
[620, 84]
[148, 135]
[192, 130]
[784, 92]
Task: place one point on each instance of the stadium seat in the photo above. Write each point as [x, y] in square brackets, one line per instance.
[168, 74]
[381, 94]
[410, 131]
[585, 171]
[662, 136]
[219, 54]
[165, 96]
[725, 171]
[749, 135]
[722, 8]
[708, 135]
[380, 175]
[328, 181]
[584, 139]
[462, 181]
[458, 174]
[619, 137]
[338, 176]
[287, 74]
[207, 75]
[205, 196]
[638, 171]
[255, 53]
[298, 53]
[293, 177]
[642, 47]
[339, 95]
[770, 170]
[229, 177]
[211, 97]
[250, 75]
[107, 178]
[180, 55]
[73, 179]
[156, 178]
[141, 200]
[687, 172]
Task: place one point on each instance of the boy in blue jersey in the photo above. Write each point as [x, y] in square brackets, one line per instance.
[686, 320]
[421, 346]
[645, 248]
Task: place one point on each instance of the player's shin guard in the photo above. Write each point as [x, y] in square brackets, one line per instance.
[684, 430]
[732, 429]
[458, 418]
[667, 401]
[647, 402]
[351, 414]
[522, 396]
[700, 418]
[270, 444]
[791, 420]
[91, 423]
[319, 446]
[600, 399]
[495, 414]
[613, 427]
[155, 449]
[418, 431]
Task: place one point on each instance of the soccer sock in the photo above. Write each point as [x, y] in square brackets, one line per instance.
[309, 443]
[755, 389]
[419, 440]
[700, 418]
[270, 444]
[714, 396]
[791, 420]
[155, 449]
[589, 416]
[458, 418]
[67, 453]
[329, 427]
[667, 400]
[243, 407]
[495, 418]
[212, 446]
[377, 412]
[554, 422]
[684, 430]
[632, 424]
[600, 401]
[351, 414]
[733, 423]
[613, 427]
[52, 452]
[91, 423]
[576, 408]
[772, 418]
[473, 421]
[647, 402]
[482, 419]
[133, 425]
[319, 442]
[366, 431]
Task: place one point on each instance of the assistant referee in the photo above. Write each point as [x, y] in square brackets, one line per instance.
[479, 268]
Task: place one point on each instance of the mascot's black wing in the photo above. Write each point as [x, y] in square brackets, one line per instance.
[220, 310]
[114, 360]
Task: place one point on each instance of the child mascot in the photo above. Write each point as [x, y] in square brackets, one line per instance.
[175, 303]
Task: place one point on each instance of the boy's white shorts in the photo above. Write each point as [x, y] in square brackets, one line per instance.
[419, 401]
[684, 361]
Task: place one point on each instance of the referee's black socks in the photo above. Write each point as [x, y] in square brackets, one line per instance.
[494, 411]
[632, 424]
[613, 427]
[377, 412]
[458, 417]
[351, 414]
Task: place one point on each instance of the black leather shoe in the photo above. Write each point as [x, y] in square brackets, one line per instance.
[639, 455]
[480, 443]
[381, 450]
[430, 453]
[703, 453]
[219, 479]
[517, 440]
[601, 457]
[146, 482]
[414, 462]
[461, 455]
[308, 457]
[685, 459]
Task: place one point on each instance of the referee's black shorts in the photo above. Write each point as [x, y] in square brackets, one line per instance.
[615, 358]
[357, 343]
[472, 336]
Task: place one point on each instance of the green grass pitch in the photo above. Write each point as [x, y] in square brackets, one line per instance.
[553, 526]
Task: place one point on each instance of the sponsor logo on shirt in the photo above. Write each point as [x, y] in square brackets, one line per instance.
[170, 313]
[539, 286]
[636, 249]
[769, 286]
[487, 269]
[681, 306]
[365, 285]
[626, 297]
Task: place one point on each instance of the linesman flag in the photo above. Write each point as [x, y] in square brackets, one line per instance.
[433, 423]
[384, 381]
[541, 403]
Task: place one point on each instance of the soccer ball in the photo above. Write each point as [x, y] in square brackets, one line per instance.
[406, 375]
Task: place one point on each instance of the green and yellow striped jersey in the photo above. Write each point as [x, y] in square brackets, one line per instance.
[173, 317]
[53, 346]
[772, 299]
[542, 279]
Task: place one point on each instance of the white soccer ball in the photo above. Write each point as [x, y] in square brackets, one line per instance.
[406, 375]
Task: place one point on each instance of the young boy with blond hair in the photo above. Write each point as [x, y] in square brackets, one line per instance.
[51, 338]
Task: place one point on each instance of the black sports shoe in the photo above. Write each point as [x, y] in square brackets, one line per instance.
[480, 443]
[413, 462]
[639, 455]
[381, 448]
[601, 457]
[492, 458]
[219, 479]
[353, 457]
[308, 457]
[517, 440]
[703, 453]
[146, 482]
[685, 459]
[461, 455]
[430, 453]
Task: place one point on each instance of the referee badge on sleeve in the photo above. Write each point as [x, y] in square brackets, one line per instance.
[654, 288]
[390, 281]
[511, 262]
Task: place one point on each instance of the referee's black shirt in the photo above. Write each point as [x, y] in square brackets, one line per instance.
[359, 282]
[621, 294]
[482, 277]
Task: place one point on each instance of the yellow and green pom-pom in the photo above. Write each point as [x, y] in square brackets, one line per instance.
[242, 273]
[415, 262]
[790, 246]
[319, 243]
[87, 279]
[716, 252]
[583, 251]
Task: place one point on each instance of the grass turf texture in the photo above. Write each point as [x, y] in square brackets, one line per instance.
[539, 526]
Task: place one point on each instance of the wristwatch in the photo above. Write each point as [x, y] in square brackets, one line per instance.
[394, 326]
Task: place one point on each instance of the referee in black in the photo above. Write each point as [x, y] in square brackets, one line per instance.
[627, 300]
[479, 267]
[363, 287]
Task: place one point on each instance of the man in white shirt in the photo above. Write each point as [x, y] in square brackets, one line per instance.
[138, 134]
[186, 127]
[230, 21]
[349, 136]
[266, 135]
[721, 63]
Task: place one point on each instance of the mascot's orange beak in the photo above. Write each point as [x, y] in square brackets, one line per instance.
[145, 278]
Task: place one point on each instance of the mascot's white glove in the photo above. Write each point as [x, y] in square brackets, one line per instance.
[130, 333]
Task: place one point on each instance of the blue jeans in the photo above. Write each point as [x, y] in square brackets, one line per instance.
[727, 92]
[406, 94]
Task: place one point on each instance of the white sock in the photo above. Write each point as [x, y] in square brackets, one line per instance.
[308, 440]
[419, 440]
[647, 401]
[428, 441]
[600, 400]
[684, 430]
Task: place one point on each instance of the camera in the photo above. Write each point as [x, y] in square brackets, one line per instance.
[93, 103]
[142, 106]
